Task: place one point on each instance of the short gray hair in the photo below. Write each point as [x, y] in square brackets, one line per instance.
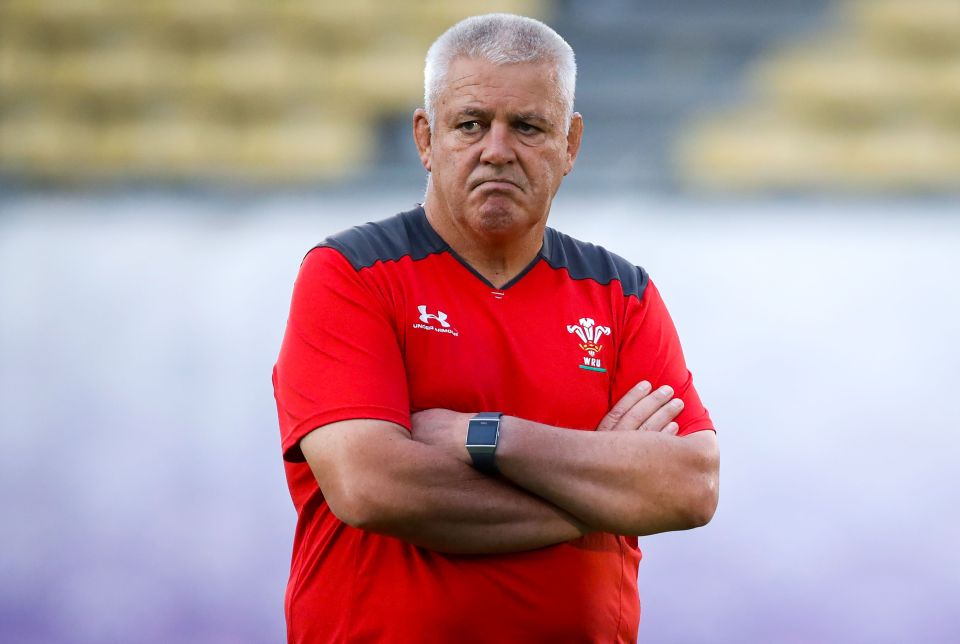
[501, 39]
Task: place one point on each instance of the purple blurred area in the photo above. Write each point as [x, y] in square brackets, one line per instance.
[140, 469]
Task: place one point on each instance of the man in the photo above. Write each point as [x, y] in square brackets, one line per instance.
[418, 521]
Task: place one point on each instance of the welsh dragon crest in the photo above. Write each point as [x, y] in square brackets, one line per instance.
[590, 333]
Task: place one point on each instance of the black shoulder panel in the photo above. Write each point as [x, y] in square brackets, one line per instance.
[584, 261]
[407, 234]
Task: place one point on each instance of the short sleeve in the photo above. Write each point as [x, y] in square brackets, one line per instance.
[340, 358]
[651, 351]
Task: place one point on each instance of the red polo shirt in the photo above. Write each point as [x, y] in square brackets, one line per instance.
[387, 320]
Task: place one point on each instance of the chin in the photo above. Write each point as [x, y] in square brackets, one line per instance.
[496, 219]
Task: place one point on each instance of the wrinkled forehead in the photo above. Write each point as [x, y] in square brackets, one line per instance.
[516, 87]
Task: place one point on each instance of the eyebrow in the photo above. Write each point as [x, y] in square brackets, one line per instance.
[473, 111]
[485, 114]
[532, 117]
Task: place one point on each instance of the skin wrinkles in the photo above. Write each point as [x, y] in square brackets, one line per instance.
[497, 154]
[461, 83]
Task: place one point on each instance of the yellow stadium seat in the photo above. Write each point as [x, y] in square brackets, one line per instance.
[850, 81]
[917, 24]
[379, 82]
[210, 88]
[747, 152]
[44, 144]
[305, 148]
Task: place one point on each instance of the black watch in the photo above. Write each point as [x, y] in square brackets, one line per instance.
[483, 432]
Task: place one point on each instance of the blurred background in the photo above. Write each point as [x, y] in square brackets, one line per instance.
[788, 171]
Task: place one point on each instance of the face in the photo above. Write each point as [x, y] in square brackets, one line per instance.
[498, 149]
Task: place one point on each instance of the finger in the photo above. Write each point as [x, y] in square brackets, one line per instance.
[658, 421]
[644, 408]
[624, 405]
[671, 429]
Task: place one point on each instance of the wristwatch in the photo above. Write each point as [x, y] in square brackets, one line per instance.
[483, 432]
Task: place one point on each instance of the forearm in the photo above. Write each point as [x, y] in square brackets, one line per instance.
[626, 482]
[431, 499]
[442, 504]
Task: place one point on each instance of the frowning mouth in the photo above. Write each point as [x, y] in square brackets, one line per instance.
[498, 183]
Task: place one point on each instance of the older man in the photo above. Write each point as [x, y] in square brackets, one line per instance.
[479, 414]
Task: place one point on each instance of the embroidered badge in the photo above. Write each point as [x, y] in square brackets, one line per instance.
[590, 334]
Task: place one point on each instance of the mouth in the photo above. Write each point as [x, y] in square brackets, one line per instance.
[497, 184]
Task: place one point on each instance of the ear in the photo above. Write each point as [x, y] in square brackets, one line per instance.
[422, 136]
[574, 135]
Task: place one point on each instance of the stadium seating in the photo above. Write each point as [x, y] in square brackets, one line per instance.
[873, 105]
[241, 90]
[321, 90]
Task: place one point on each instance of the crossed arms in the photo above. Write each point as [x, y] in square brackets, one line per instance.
[633, 476]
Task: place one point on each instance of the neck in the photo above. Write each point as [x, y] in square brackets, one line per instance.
[499, 256]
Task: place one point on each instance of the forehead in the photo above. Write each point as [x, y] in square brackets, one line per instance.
[514, 87]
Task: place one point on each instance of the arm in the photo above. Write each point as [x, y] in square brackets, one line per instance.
[371, 473]
[635, 483]
[616, 479]
[375, 477]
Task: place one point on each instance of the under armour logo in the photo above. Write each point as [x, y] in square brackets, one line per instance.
[440, 317]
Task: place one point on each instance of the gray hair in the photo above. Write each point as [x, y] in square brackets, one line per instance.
[501, 39]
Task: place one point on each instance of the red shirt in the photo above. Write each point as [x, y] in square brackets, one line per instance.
[386, 320]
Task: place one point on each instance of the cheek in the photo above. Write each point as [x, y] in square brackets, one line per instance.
[454, 162]
[551, 171]
[450, 175]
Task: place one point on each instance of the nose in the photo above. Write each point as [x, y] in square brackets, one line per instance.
[498, 145]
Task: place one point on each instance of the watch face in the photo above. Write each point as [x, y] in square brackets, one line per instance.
[482, 432]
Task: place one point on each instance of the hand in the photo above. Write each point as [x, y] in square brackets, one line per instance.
[442, 428]
[641, 409]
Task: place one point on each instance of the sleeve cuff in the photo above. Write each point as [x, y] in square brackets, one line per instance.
[291, 442]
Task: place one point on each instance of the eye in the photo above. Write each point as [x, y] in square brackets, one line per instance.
[526, 128]
[469, 127]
